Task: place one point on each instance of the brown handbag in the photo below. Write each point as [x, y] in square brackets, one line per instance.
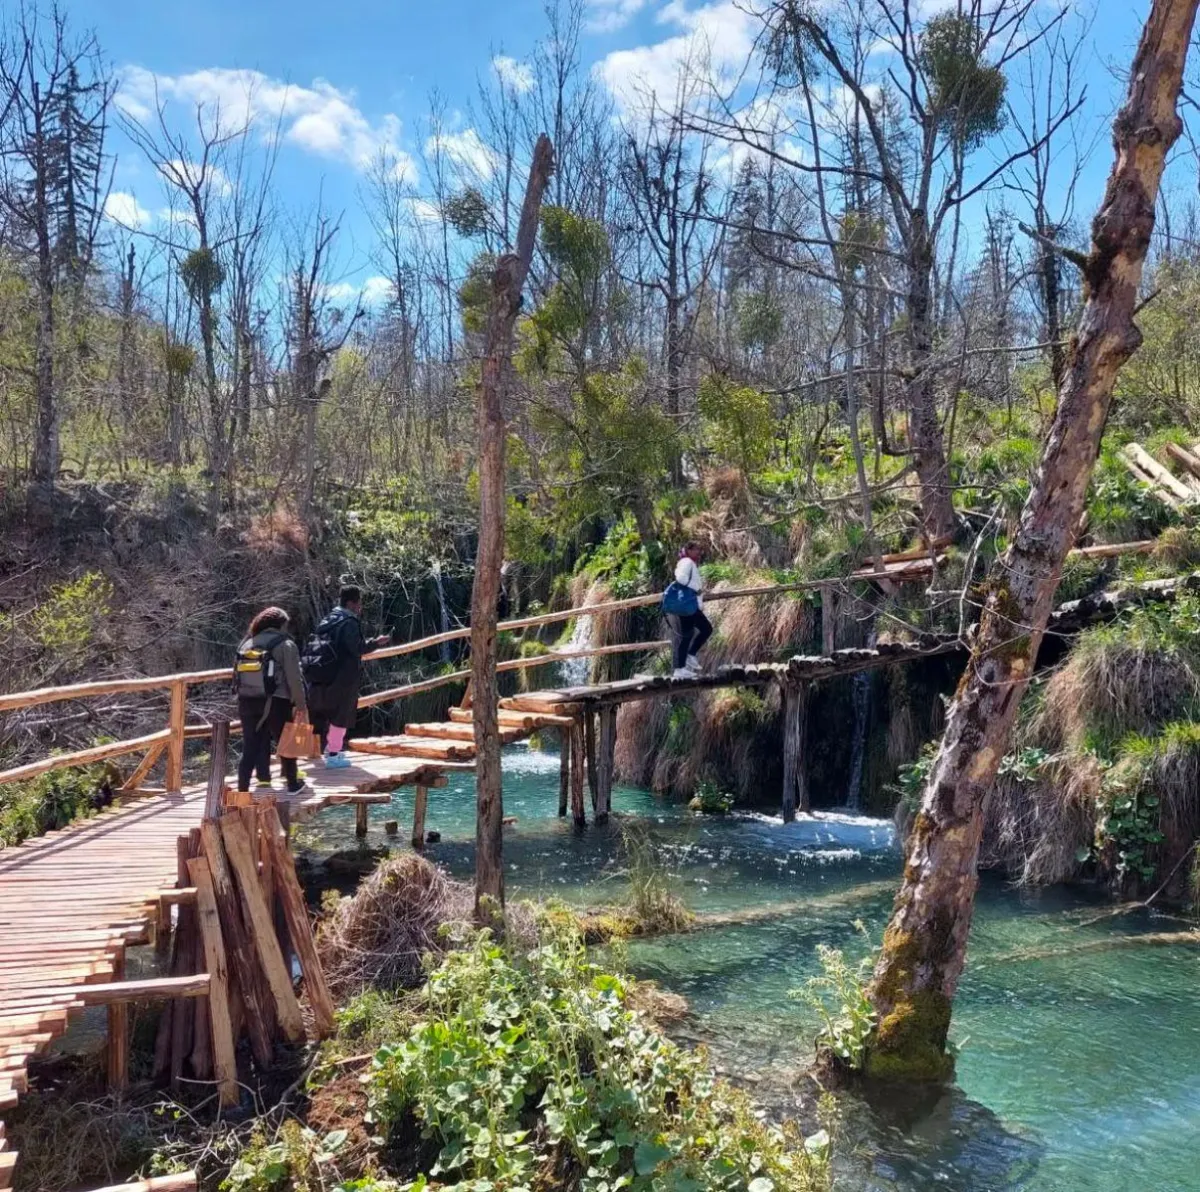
[299, 739]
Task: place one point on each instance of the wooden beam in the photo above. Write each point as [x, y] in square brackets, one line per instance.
[182, 1182]
[259, 925]
[220, 1020]
[589, 743]
[420, 804]
[564, 768]
[175, 726]
[117, 1043]
[83, 757]
[577, 775]
[360, 819]
[795, 782]
[606, 762]
[1184, 458]
[110, 993]
[218, 767]
[239, 946]
[135, 780]
[299, 927]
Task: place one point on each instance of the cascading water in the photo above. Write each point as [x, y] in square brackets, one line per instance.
[861, 702]
[576, 672]
[444, 609]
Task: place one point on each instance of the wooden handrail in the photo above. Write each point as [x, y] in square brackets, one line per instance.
[84, 757]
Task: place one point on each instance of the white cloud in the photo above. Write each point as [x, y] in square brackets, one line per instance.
[466, 150]
[342, 292]
[606, 16]
[512, 73]
[190, 174]
[320, 118]
[377, 291]
[424, 211]
[714, 42]
[125, 210]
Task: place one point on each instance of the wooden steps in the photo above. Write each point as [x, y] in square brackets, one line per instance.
[416, 747]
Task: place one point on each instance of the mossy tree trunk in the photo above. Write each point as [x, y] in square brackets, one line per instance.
[924, 947]
[508, 280]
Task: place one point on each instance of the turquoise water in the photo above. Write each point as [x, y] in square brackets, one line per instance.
[1080, 1047]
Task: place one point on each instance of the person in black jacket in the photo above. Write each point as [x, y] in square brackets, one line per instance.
[332, 665]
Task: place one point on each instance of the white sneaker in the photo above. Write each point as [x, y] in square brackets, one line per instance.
[682, 673]
[693, 664]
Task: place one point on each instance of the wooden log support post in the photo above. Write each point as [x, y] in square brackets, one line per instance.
[143, 768]
[589, 740]
[360, 820]
[175, 725]
[239, 949]
[606, 762]
[218, 767]
[795, 776]
[118, 1034]
[829, 615]
[299, 927]
[420, 805]
[577, 777]
[564, 771]
[256, 916]
[220, 1020]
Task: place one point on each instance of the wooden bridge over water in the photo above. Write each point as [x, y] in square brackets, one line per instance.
[72, 901]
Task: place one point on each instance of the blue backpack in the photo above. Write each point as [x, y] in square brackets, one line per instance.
[679, 600]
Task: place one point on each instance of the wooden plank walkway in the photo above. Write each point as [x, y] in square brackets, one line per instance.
[72, 900]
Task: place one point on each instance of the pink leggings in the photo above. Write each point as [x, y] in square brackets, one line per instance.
[335, 738]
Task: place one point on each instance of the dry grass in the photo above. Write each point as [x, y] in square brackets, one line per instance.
[402, 913]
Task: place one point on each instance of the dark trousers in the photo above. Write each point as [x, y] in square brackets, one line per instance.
[689, 635]
[258, 740]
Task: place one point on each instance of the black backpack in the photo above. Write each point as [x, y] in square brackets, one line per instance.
[254, 668]
[322, 656]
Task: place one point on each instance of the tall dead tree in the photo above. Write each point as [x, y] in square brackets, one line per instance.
[924, 947]
[508, 280]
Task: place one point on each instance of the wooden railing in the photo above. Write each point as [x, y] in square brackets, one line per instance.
[172, 739]
[908, 565]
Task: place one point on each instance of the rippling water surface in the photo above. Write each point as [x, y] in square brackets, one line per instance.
[1080, 1061]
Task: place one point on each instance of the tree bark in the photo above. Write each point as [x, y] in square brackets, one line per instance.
[507, 283]
[924, 947]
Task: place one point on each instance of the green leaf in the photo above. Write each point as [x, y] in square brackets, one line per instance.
[648, 1155]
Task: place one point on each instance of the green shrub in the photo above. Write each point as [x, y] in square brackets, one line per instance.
[710, 799]
[48, 802]
[839, 996]
[532, 1072]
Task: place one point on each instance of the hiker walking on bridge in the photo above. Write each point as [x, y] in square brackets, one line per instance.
[332, 663]
[270, 692]
[683, 605]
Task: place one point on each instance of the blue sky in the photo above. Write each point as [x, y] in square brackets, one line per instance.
[358, 75]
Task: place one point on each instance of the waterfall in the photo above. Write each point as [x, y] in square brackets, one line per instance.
[445, 611]
[861, 701]
[577, 672]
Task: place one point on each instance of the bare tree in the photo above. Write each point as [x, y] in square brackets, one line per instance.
[508, 280]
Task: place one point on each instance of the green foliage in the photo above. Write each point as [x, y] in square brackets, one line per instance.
[47, 802]
[1130, 814]
[468, 212]
[68, 620]
[711, 799]
[1023, 765]
[202, 274]
[839, 996]
[532, 1072]
[738, 422]
[759, 319]
[654, 904]
[475, 293]
[911, 779]
[297, 1160]
[966, 95]
[1120, 508]
[620, 560]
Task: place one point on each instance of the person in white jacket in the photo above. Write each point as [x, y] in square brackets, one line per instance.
[689, 633]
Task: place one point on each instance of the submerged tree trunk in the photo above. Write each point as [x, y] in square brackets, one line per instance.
[507, 283]
[924, 947]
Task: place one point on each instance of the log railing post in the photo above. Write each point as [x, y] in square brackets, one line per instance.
[564, 771]
[605, 762]
[118, 1033]
[420, 804]
[174, 780]
[795, 778]
[577, 776]
[589, 737]
[829, 613]
[218, 767]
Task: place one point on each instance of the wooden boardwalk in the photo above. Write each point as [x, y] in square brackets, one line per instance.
[71, 901]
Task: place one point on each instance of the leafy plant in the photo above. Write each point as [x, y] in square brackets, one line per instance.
[710, 799]
[532, 1072]
[839, 996]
